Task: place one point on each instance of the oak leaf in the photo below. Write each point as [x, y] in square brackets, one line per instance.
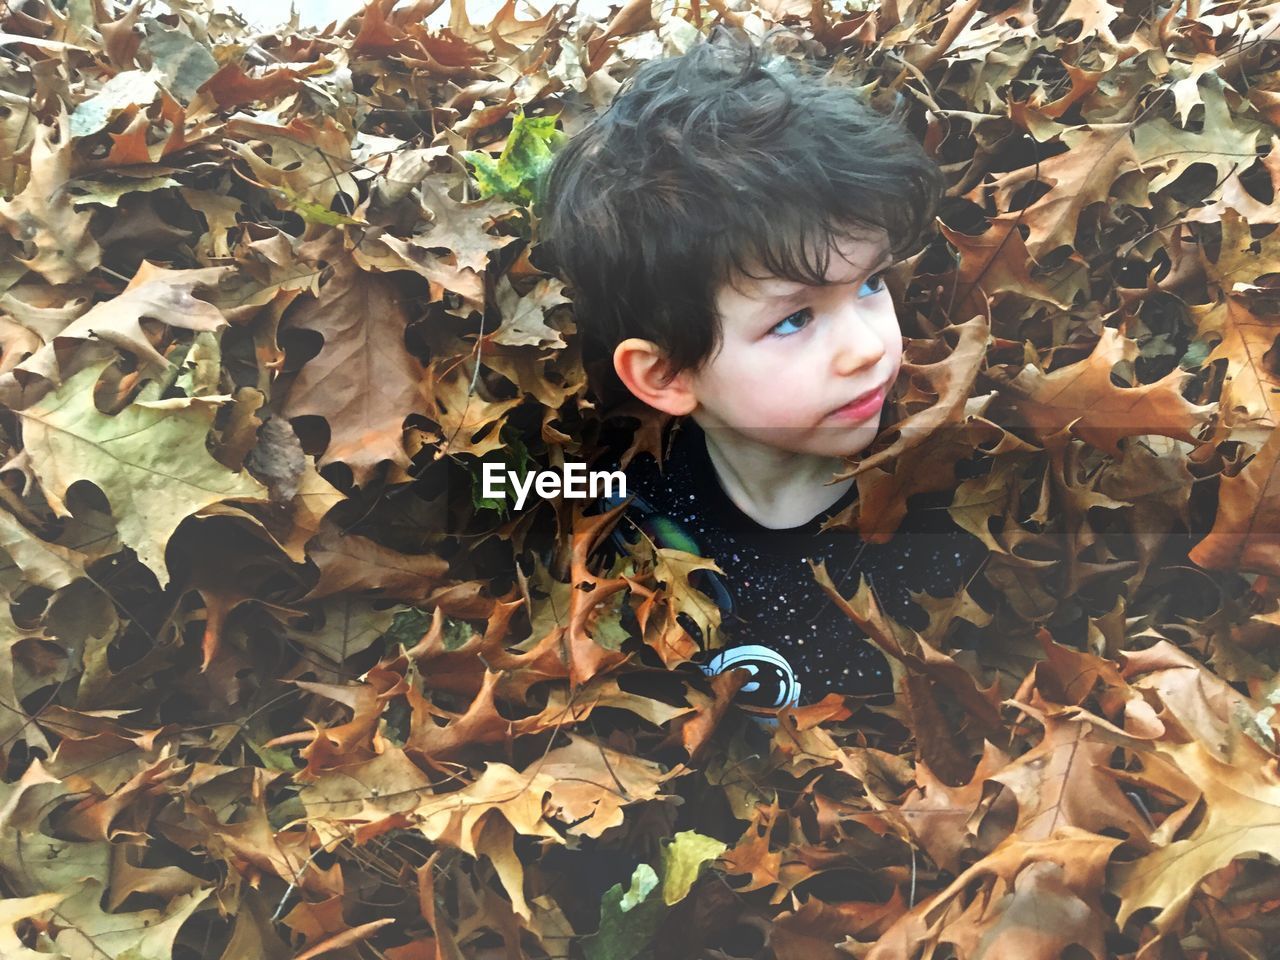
[997, 896]
[1099, 154]
[1080, 396]
[363, 381]
[43, 216]
[1246, 340]
[1065, 780]
[815, 930]
[469, 423]
[1222, 141]
[86, 931]
[993, 263]
[153, 293]
[941, 389]
[593, 784]
[149, 460]
[1241, 818]
[953, 823]
[350, 562]
[1246, 527]
[38, 561]
[14, 910]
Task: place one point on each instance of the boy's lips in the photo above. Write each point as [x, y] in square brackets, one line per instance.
[862, 406]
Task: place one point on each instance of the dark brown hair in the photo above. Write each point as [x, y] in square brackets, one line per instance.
[707, 162]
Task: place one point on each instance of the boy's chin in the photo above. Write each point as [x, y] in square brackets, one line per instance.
[845, 443]
[846, 451]
[830, 443]
[826, 440]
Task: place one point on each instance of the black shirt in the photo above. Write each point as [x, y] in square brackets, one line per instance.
[776, 620]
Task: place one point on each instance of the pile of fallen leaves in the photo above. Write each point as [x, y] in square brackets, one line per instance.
[276, 681]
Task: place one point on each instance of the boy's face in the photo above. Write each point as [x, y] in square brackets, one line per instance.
[794, 355]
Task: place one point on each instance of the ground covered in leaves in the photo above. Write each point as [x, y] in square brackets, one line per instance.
[273, 683]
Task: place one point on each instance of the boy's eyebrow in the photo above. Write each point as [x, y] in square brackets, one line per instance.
[802, 290]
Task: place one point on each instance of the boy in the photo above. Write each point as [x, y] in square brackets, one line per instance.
[725, 227]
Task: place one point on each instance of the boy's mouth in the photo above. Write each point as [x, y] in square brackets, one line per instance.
[862, 407]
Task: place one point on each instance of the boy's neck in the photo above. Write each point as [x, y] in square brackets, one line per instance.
[776, 488]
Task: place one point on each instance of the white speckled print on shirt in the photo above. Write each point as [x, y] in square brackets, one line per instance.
[777, 602]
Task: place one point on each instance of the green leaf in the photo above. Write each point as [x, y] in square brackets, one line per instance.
[628, 919]
[273, 758]
[311, 211]
[149, 460]
[490, 175]
[683, 859]
[527, 152]
[481, 502]
[608, 630]
[515, 457]
[456, 634]
[407, 627]
[255, 730]
[1195, 356]
[643, 882]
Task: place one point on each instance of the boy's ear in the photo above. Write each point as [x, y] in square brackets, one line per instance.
[643, 368]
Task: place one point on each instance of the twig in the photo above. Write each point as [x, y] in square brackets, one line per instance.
[911, 900]
[294, 883]
[956, 23]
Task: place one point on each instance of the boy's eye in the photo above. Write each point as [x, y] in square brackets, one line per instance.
[797, 320]
[876, 281]
[791, 325]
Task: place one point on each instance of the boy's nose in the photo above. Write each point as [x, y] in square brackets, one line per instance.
[858, 348]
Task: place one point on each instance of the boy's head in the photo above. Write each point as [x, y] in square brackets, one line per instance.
[722, 226]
